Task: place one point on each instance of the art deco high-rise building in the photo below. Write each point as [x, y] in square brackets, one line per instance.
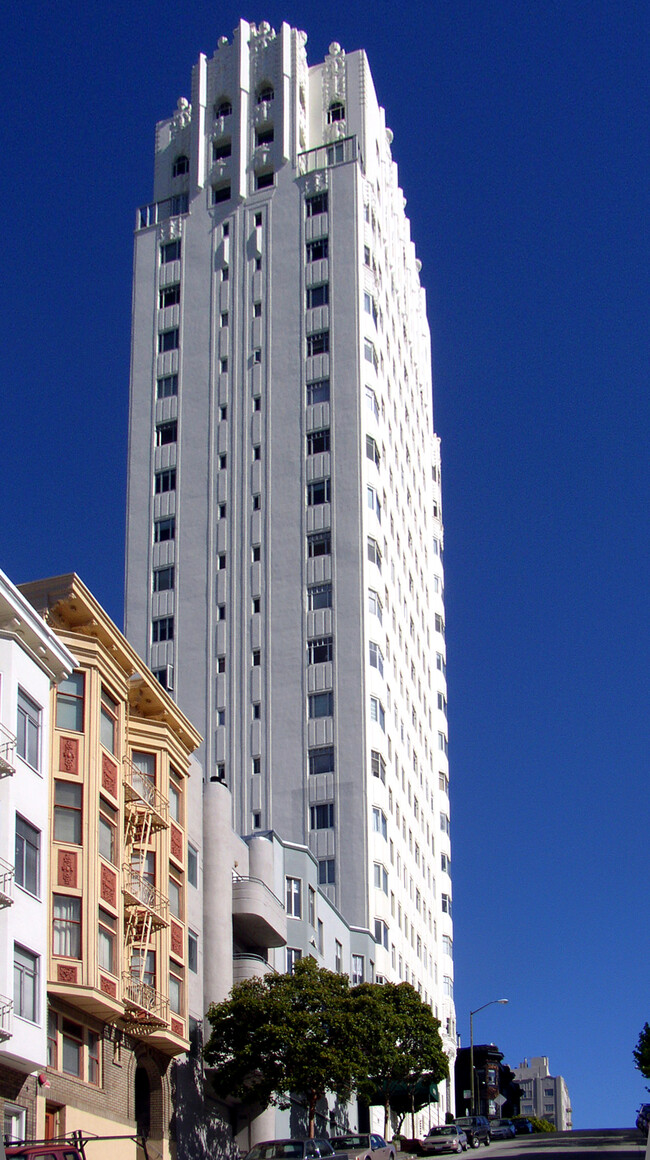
[284, 567]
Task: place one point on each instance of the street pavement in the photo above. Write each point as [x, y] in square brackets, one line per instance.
[619, 1143]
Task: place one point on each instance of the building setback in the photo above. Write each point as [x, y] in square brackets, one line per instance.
[284, 532]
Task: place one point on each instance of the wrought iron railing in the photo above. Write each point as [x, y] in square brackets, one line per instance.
[6, 883]
[7, 752]
[6, 1009]
[140, 788]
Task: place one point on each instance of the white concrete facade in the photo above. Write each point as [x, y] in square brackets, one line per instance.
[544, 1095]
[31, 659]
[284, 532]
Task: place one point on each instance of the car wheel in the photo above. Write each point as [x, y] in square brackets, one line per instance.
[475, 1141]
[487, 1141]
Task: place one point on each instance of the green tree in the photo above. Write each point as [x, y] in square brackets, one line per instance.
[401, 1043]
[286, 1033]
[642, 1052]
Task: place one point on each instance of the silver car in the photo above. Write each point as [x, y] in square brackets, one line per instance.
[363, 1146]
[444, 1138]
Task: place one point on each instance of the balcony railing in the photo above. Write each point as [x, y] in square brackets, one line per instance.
[325, 156]
[147, 1008]
[138, 891]
[140, 790]
[160, 211]
[6, 883]
[7, 752]
[6, 1009]
[247, 878]
[246, 957]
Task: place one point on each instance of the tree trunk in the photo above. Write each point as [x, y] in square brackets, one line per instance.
[412, 1116]
[386, 1117]
[312, 1113]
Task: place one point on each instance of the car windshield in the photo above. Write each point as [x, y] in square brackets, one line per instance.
[351, 1141]
[443, 1131]
[465, 1123]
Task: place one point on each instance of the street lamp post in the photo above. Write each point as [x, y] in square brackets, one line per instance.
[471, 1043]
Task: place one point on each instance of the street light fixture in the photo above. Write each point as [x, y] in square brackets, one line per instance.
[471, 1041]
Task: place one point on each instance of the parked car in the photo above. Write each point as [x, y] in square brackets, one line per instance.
[476, 1128]
[295, 1150]
[501, 1129]
[523, 1126]
[444, 1138]
[364, 1146]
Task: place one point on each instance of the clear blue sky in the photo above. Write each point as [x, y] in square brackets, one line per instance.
[521, 132]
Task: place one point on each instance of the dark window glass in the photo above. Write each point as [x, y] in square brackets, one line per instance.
[170, 296]
[316, 205]
[163, 579]
[320, 651]
[223, 109]
[167, 386]
[164, 529]
[264, 136]
[320, 596]
[264, 180]
[317, 296]
[321, 817]
[318, 492]
[318, 392]
[28, 856]
[67, 812]
[180, 166]
[70, 703]
[318, 441]
[165, 480]
[318, 343]
[162, 629]
[320, 544]
[170, 251]
[166, 433]
[317, 250]
[221, 150]
[321, 704]
[220, 193]
[168, 340]
[321, 760]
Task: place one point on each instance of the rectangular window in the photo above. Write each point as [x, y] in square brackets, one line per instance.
[107, 832]
[321, 817]
[320, 651]
[321, 705]
[377, 765]
[165, 481]
[192, 865]
[14, 1122]
[70, 703]
[319, 544]
[371, 402]
[167, 386]
[166, 433]
[66, 926]
[376, 657]
[381, 877]
[108, 721]
[379, 823]
[163, 579]
[381, 933]
[26, 966]
[448, 945]
[321, 760]
[170, 252]
[293, 956]
[28, 857]
[357, 970]
[326, 873]
[373, 501]
[162, 629]
[318, 392]
[164, 530]
[439, 624]
[192, 951]
[170, 296]
[320, 596]
[372, 450]
[106, 938]
[264, 180]
[317, 296]
[175, 898]
[446, 904]
[72, 1042]
[318, 441]
[374, 552]
[441, 664]
[221, 150]
[318, 492]
[317, 250]
[311, 903]
[175, 798]
[144, 775]
[28, 731]
[220, 193]
[374, 604]
[94, 1046]
[168, 340]
[316, 205]
[294, 897]
[67, 812]
[377, 712]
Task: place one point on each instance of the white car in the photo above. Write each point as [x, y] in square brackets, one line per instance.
[444, 1138]
[363, 1146]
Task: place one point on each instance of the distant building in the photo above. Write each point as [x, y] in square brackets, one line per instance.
[493, 1082]
[543, 1094]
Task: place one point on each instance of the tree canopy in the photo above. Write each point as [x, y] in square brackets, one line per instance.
[286, 1033]
[402, 1044]
[310, 1032]
[642, 1052]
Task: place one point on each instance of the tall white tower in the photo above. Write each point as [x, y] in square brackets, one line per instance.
[284, 567]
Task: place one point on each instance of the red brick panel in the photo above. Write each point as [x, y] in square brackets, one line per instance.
[109, 775]
[108, 889]
[69, 754]
[67, 868]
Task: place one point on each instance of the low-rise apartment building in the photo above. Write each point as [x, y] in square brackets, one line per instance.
[32, 659]
[118, 870]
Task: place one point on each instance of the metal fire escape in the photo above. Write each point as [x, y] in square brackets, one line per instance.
[145, 907]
